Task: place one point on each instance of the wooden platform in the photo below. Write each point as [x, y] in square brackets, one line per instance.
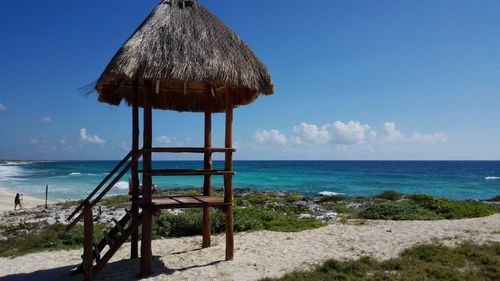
[177, 202]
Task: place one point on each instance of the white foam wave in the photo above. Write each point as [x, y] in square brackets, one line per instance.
[492, 178]
[75, 174]
[121, 185]
[328, 193]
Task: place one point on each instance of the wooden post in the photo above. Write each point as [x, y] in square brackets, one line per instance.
[88, 246]
[146, 252]
[134, 239]
[228, 179]
[207, 183]
[46, 195]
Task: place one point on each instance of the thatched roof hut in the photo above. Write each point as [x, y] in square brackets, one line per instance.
[185, 49]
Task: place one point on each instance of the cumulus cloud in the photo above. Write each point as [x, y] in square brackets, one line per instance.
[46, 119]
[311, 133]
[173, 141]
[350, 133]
[3, 108]
[272, 136]
[392, 134]
[86, 138]
[337, 133]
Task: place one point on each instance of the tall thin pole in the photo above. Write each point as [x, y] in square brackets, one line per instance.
[134, 239]
[146, 252]
[46, 195]
[207, 184]
[228, 179]
[88, 250]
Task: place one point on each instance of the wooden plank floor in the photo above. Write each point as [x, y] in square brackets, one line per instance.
[175, 202]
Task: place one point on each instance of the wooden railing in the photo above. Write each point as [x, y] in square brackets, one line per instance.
[91, 202]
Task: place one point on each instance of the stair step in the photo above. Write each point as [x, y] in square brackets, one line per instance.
[97, 253]
[108, 239]
[118, 225]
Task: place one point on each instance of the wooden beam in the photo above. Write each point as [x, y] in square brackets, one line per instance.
[228, 179]
[146, 252]
[88, 239]
[208, 165]
[186, 172]
[191, 149]
[134, 171]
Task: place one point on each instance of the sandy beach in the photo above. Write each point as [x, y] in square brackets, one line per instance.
[7, 200]
[262, 253]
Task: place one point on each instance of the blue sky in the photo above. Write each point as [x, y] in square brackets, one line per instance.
[353, 79]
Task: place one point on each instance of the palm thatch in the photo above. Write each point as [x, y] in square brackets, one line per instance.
[185, 51]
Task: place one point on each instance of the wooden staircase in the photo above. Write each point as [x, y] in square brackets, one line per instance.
[114, 239]
[96, 256]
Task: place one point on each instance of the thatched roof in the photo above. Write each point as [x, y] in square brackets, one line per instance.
[188, 50]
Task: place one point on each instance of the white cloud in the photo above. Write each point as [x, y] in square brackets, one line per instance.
[3, 108]
[311, 133]
[90, 139]
[337, 133]
[429, 139]
[172, 141]
[393, 135]
[46, 119]
[350, 133]
[270, 136]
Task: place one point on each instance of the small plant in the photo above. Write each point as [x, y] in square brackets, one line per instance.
[397, 211]
[425, 263]
[389, 195]
[338, 208]
[293, 198]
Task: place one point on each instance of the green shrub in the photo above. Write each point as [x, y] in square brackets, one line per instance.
[397, 211]
[116, 201]
[389, 195]
[338, 208]
[423, 263]
[43, 237]
[455, 209]
[293, 198]
[256, 198]
[190, 222]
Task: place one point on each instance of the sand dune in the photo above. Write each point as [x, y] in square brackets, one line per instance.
[262, 253]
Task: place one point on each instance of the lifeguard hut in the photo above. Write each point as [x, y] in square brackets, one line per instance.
[181, 58]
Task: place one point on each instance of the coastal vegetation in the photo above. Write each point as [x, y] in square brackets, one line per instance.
[423, 262]
[274, 211]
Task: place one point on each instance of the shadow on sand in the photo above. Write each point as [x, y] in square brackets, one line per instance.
[119, 270]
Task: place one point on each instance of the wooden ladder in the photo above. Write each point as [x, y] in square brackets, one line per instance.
[93, 259]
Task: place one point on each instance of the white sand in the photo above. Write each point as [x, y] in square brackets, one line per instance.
[263, 253]
[7, 200]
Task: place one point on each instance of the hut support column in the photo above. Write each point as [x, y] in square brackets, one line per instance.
[207, 184]
[147, 215]
[228, 179]
[88, 248]
[134, 240]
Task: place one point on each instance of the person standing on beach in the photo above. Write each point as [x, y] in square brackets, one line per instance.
[17, 201]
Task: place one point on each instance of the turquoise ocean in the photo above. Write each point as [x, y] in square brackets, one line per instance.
[451, 179]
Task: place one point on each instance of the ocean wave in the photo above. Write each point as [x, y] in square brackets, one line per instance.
[329, 193]
[86, 174]
[121, 185]
[492, 178]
